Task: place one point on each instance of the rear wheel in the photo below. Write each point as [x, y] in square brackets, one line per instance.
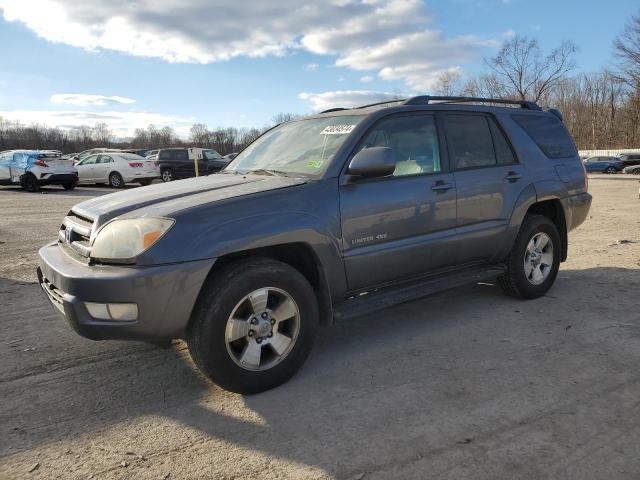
[30, 183]
[610, 170]
[70, 185]
[166, 174]
[254, 325]
[115, 180]
[534, 260]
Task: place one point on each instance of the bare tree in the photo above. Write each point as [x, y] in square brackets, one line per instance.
[281, 117]
[522, 71]
[448, 83]
[626, 48]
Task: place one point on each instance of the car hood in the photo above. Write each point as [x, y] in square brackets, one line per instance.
[166, 198]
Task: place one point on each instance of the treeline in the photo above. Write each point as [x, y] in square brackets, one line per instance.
[15, 135]
[601, 109]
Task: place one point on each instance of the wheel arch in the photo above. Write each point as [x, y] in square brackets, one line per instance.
[299, 255]
[554, 211]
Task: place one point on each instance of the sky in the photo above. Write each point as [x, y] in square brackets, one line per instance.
[131, 63]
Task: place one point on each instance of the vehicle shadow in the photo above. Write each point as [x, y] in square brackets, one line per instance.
[415, 379]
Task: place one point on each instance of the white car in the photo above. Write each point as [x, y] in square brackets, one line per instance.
[35, 168]
[116, 169]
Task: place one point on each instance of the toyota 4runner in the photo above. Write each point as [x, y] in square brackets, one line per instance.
[397, 200]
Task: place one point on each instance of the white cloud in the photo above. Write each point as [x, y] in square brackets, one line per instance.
[366, 79]
[390, 37]
[311, 67]
[345, 98]
[122, 124]
[84, 99]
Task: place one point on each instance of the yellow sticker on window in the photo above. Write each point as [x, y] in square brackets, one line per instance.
[315, 163]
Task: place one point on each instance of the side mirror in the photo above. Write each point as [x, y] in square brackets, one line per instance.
[373, 162]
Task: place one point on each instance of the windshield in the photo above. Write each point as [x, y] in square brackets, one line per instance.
[304, 147]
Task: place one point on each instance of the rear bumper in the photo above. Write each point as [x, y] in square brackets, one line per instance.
[141, 176]
[58, 178]
[579, 206]
[165, 295]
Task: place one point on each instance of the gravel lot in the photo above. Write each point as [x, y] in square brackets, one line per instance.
[465, 384]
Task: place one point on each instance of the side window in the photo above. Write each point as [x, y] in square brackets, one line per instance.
[470, 141]
[548, 133]
[414, 140]
[89, 160]
[181, 155]
[504, 154]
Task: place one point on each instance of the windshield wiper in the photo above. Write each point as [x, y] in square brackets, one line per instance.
[262, 171]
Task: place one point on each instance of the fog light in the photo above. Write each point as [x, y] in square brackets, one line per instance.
[113, 311]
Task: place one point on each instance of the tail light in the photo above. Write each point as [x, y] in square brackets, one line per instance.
[586, 178]
[40, 163]
[135, 164]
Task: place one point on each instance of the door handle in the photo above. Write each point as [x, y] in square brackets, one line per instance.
[441, 186]
[513, 176]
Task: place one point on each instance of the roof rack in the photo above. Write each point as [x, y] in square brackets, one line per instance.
[426, 99]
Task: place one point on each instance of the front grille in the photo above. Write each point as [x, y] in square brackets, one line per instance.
[54, 294]
[75, 233]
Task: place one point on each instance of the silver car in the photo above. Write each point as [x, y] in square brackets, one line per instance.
[116, 169]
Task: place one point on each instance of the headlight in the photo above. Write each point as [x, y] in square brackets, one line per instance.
[126, 239]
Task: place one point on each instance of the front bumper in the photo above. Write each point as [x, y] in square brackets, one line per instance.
[165, 294]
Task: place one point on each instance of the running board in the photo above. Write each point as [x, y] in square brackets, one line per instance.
[407, 292]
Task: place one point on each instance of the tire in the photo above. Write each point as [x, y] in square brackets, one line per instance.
[517, 281]
[70, 185]
[145, 182]
[610, 170]
[115, 180]
[225, 294]
[166, 175]
[30, 183]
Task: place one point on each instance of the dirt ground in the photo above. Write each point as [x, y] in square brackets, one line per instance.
[465, 384]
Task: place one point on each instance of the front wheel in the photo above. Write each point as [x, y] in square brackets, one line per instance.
[534, 260]
[610, 170]
[254, 325]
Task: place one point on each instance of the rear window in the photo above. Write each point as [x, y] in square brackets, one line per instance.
[549, 134]
[173, 155]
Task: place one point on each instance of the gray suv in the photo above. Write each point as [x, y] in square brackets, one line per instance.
[397, 200]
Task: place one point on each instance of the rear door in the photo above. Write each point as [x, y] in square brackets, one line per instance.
[488, 180]
[184, 166]
[399, 227]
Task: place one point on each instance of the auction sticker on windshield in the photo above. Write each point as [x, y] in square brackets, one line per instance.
[337, 129]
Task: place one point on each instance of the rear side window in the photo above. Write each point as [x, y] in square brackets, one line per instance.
[181, 155]
[549, 134]
[470, 142]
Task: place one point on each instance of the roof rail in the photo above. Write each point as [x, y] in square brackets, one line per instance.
[333, 110]
[382, 103]
[426, 99]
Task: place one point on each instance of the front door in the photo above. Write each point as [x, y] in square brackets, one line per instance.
[86, 169]
[398, 227]
[488, 181]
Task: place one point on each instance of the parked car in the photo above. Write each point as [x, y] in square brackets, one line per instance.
[116, 169]
[137, 151]
[34, 168]
[629, 159]
[397, 200]
[176, 163]
[152, 154]
[603, 164]
[632, 169]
